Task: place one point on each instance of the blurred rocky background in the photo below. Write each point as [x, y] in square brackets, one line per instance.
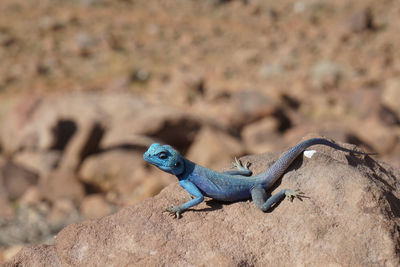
[87, 85]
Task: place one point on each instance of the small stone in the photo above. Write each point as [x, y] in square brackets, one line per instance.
[270, 70]
[361, 20]
[47, 23]
[31, 196]
[309, 153]
[326, 74]
[139, 75]
[62, 213]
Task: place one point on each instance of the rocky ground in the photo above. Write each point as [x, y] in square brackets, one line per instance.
[349, 218]
[87, 85]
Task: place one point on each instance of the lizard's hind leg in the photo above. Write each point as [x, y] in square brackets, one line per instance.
[260, 199]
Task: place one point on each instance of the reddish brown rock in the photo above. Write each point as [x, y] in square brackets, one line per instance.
[17, 179]
[63, 212]
[320, 230]
[213, 148]
[50, 122]
[8, 253]
[361, 20]
[261, 135]
[382, 138]
[95, 206]
[61, 184]
[18, 135]
[252, 105]
[32, 196]
[84, 143]
[123, 174]
[7, 211]
[38, 162]
[38, 255]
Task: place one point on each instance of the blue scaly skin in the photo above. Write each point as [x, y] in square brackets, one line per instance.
[232, 185]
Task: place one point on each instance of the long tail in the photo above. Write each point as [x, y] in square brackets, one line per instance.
[273, 173]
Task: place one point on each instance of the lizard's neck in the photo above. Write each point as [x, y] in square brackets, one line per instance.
[188, 169]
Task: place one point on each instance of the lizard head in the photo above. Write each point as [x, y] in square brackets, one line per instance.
[165, 158]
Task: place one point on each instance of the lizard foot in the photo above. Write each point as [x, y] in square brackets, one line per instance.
[174, 211]
[188, 198]
[290, 194]
[238, 164]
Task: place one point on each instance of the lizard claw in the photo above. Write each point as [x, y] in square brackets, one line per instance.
[290, 194]
[174, 211]
[238, 164]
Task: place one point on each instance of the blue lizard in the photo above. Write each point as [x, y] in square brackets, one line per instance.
[232, 185]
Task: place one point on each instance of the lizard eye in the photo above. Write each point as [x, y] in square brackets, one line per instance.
[177, 164]
[162, 155]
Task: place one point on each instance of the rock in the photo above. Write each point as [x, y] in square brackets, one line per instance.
[361, 20]
[7, 39]
[84, 143]
[31, 196]
[326, 74]
[270, 70]
[52, 122]
[48, 23]
[260, 135]
[320, 230]
[169, 125]
[252, 105]
[17, 179]
[38, 255]
[95, 206]
[123, 173]
[18, 133]
[7, 211]
[61, 184]
[49, 123]
[391, 95]
[105, 170]
[63, 212]
[214, 148]
[10, 252]
[381, 137]
[38, 162]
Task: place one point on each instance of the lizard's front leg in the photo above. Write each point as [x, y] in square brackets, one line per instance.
[191, 189]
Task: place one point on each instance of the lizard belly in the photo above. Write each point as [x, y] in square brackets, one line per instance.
[222, 190]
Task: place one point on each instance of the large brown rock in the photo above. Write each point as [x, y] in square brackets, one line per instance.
[213, 148]
[123, 175]
[350, 218]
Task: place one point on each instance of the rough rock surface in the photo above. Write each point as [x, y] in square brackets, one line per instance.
[350, 218]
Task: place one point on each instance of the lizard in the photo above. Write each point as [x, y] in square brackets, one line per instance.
[233, 185]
